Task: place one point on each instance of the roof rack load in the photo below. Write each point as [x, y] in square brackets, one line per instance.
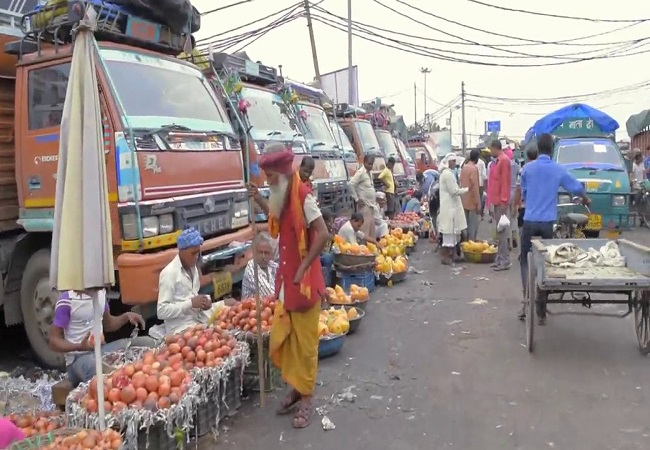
[344, 110]
[247, 70]
[53, 23]
[417, 138]
[308, 93]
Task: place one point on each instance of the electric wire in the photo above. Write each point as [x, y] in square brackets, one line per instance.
[555, 16]
[221, 8]
[440, 56]
[565, 42]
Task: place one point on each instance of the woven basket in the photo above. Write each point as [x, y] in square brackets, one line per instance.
[342, 259]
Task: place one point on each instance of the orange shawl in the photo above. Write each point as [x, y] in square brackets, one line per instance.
[298, 219]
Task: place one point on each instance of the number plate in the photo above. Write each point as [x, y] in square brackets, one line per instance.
[592, 185]
[142, 29]
[212, 225]
[222, 284]
[595, 222]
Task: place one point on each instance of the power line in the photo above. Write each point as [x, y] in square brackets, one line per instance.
[565, 42]
[225, 7]
[427, 52]
[556, 16]
[444, 19]
[566, 56]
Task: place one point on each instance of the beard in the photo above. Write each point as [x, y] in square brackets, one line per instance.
[278, 196]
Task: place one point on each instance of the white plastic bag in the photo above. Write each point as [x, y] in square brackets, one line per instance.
[503, 224]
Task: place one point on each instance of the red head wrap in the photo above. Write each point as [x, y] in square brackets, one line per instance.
[280, 162]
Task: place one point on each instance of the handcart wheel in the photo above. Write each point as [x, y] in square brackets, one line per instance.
[642, 321]
[531, 299]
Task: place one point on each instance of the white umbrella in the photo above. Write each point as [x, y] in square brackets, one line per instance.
[82, 252]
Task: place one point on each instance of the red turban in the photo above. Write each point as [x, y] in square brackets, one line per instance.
[280, 162]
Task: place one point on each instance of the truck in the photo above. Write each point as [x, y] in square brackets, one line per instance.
[361, 135]
[173, 160]
[268, 118]
[308, 106]
[349, 156]
[422, 153]
[409, 165]
[585, 144]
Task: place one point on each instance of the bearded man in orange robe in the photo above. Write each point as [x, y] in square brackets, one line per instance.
[295, 218]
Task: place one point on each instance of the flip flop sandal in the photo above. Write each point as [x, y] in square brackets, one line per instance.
[302, 419]
[288, 403]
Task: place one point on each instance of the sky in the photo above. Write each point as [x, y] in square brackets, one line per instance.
[390, 73]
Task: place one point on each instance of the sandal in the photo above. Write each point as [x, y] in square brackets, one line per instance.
[289, 402]
[302, 419]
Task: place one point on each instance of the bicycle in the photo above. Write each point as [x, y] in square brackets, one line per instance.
[641, 201]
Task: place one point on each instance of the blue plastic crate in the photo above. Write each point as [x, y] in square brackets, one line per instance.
[361, 279]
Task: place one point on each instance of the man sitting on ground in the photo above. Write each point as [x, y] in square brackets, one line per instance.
[71, 333]
[266, 268]
[414, 204]
[351, 230]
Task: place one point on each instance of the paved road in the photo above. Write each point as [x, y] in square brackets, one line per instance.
[433, 371]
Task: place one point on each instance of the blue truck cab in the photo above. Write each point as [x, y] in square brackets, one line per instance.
[585, 145]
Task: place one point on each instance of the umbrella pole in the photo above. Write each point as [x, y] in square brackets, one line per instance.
[258, 308]
[99, 299]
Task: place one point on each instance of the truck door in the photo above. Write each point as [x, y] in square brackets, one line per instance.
[45, 93]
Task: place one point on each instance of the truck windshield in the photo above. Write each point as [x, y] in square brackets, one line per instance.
[403, 151]
[156, 92]
[342, 139]
[268, 116]
[589, 154]
[388, 148]
[367, 136]
[318, 130]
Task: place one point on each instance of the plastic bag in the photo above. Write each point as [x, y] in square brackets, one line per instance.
[503, 224]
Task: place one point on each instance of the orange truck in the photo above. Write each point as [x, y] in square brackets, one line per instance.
[422, 153]
[172, 157]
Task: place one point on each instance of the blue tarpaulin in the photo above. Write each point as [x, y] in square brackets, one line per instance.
[550, 122]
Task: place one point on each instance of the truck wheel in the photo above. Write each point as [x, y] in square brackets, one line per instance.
[37, 302]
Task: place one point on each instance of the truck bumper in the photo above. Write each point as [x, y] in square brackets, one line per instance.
[138, 272]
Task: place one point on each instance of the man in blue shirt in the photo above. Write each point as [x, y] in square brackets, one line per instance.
[646, 161]
[540, 181]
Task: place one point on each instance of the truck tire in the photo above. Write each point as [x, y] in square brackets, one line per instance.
[37, 302]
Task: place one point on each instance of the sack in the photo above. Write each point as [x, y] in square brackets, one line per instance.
[503, 224]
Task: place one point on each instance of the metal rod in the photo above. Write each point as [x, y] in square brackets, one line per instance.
[351, 95]
[462, 103]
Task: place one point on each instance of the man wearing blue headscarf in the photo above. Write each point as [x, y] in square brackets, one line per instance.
[179, 304]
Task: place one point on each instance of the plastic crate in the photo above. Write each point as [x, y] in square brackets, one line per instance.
[272, 376]
[231, 393]
[156, 438]
[207, 418]
[363, 279]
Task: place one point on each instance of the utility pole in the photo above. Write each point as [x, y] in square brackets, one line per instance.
[312, 39]
[425, 71]
[451, 136]
[462, 105]
[415, 104]
[350, 74]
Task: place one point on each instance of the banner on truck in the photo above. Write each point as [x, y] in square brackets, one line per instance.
[336, 86]
[441, 142]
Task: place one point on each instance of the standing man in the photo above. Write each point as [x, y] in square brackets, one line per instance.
[363, 192]
[451, 219]
[482, 180]
[499, 195]
[307, 166]
[470, 178]
[386, 177]
[297, 221]
[540, 181]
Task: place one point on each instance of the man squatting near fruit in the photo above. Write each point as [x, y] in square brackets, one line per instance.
[179, 304]
[71, 333]
[296, 219]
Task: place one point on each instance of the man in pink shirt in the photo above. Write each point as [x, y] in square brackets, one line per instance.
[499, 193]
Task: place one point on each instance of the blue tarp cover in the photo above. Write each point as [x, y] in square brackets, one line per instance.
[550, 122]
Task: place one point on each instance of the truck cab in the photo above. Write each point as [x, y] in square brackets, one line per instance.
[409, 165]
[423, 154]
[308, 106]
[349, 156]
[598, 164]
[389, 149]
[173, 160]
[361, 135]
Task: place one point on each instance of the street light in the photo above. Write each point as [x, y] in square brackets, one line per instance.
[425, 71]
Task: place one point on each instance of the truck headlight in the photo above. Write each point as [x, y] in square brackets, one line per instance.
[166, 223]
[150, 226]
[129, 227]
[618, 200]
[240, 209]
[563, 199]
